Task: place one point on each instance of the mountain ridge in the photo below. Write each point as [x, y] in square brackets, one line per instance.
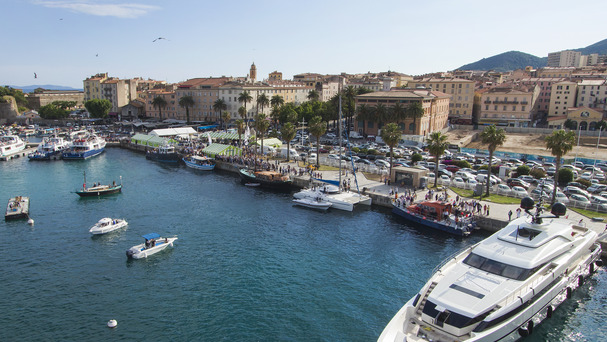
[31, 88]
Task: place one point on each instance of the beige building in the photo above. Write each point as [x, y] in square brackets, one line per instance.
[554, 72]
[167, 112]
[118, 92]
[92, 86]
[592, 94]
[275, 76]
[37, 100]
[565, 58]
[584, 118]
[204, 92]
[506, 106]
[562, 97]
[461, 91]
[434, 103]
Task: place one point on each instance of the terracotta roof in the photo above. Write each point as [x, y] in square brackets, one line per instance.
[212, 81]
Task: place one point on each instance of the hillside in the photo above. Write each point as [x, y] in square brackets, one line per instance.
[600, 48]
[31, 88]
[507, 61]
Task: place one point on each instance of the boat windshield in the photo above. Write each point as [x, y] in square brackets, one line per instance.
[499, 268]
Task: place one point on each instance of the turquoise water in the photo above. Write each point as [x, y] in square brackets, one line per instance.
[247, 266]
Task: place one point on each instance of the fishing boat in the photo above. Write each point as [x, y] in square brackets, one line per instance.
[85, 145]
[106, 225]
[199, 163]
[10, 144]
[437, 215]
[502, 287]
[50, 148]
[267, 179]
[99, 189]
[166, 153]
[153, 244]
[314, 203]
[17, 208]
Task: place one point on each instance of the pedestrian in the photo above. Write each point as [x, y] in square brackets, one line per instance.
[518, 212]
[487, 210]
[510, 215]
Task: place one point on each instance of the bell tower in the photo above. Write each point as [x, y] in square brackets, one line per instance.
[253, 72]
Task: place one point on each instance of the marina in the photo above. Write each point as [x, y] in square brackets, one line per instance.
[286, 273]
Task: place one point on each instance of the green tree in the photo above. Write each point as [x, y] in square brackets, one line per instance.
[52, 111]
[225, 118]
[523, 170]
[570, 124]
[398, 112]
[245, 98]
[98, 108]
[391, 135]
[187, 102]
[381, 115]
[313, 95]
[287, 133]
[219, 106]
[277, 101]
[559, 143]
[415, 110]
[493, 138]
[157, 102]
[437, 145]
[317, 128]
[415, 157]
[262, 101]
[65, 104]
[565, 176]
[601, 125]
[365, 113]
[350, 95]
[261, 126]
[240, 127]
[242, 111]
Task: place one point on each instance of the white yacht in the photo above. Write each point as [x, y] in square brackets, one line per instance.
[51, 147]
[153, 244]
[339, 200]
[10, 144]
[106, 225]
[84, 145]
[501, 287]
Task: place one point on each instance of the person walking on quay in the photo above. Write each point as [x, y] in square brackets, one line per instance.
[510, 215]
[487, 209]
[518, 212]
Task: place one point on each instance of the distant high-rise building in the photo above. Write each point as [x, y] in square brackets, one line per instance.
[565, 58]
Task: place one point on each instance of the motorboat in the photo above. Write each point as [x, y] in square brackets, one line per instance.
[266, 179]
[50, 148]
[199, 163]
[85, 145]
[153, 244]
[10, 144]
[502, 287]
[166, 153]
[315, 203]
[339, 200]
[99, 189]
[436, 215]
[17, 208]
[106, 225]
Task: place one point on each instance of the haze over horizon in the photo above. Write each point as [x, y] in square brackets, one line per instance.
[64, 42]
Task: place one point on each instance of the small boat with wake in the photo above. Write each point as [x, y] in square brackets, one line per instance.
[106, 225]
[153, 244]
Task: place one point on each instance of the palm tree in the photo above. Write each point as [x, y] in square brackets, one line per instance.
[240, 126]
[219, 106]
[380, 114]
[287, 133]
[225, 118]
[415, 110]
[437, 145]
[364, 114]
[242, 111]
[493, 137]
[245, 98]
[262, 101]
[277, 101]
[349, 93]
[261, 126]
[560, 143]
[187, 102]
[398, 112]
[391, 135]
[317, 128]
[275, 116]
[313, 95]
[160, 103]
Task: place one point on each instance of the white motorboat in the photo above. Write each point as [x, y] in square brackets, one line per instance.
[315, 203]
[10, 144]
[50, 148]
[339, 200]
[500, 288]
[153, 244]
[106, 225]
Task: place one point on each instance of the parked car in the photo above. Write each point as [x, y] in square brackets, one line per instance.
[578, 200]
[459, 182]
[572, 190]
[444, 179]
[364, 161]
[444, 172]
[382, 163]
[503, 189]
[597, 188]
[561, 197]
[517, 182]
[537, 192]
[577, 185]
[519, 191]
[598, 200]
[529, 179]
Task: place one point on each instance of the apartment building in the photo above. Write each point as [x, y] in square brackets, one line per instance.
[461, 91]
[542, 105]
[592, 94]
[92, 86]
[161, 113]
[118, 92]
[562, 97]
[434, 103]
[204, 92]
[550, 72]
[565, 58]
[506, 105]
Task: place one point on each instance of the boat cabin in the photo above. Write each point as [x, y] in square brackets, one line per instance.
[271, 176]
[432, 209]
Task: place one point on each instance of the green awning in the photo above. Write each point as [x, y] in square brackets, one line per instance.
[221, 149]
[149, 140]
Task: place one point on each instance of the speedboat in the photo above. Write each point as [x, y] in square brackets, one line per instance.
[106, 225]
[315, 203]
[153, 244]
[10, 144]
[502, 287]
[85, 146]
[17, 208]
[50, 148]
[436, 215]
[339, 200]
[199, 163]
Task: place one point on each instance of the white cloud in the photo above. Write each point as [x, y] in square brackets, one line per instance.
[119, 10]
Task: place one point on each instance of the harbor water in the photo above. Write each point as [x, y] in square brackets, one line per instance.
[247, 266]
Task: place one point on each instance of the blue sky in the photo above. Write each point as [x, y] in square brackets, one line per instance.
[64, 42]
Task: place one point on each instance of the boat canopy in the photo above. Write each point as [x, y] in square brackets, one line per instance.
[151, 236]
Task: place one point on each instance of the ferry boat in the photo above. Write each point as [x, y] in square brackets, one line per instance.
[199, 163]
[502, 287]
[436, 215]
[84, 147]
[266, 179]
[10, 144]
[50, 148]
[166, 153]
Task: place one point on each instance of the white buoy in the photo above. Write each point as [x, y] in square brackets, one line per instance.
[30, 221]
[112, 323]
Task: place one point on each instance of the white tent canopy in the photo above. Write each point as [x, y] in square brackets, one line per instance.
[169, 132]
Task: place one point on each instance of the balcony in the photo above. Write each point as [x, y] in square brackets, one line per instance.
[505, 102]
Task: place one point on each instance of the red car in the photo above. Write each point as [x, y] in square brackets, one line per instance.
[452, 168]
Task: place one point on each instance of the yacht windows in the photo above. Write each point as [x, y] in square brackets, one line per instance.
[499, 268]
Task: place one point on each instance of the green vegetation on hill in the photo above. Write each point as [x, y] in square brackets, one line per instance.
[507, 61]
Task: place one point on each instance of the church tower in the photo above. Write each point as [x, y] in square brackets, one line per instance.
[253, 73]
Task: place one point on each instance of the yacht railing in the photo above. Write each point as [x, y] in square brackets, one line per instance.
[529, 285]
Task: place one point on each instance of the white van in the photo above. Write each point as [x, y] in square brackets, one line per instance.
[292, 153]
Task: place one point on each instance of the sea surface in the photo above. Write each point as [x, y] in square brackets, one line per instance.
[248, 265]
